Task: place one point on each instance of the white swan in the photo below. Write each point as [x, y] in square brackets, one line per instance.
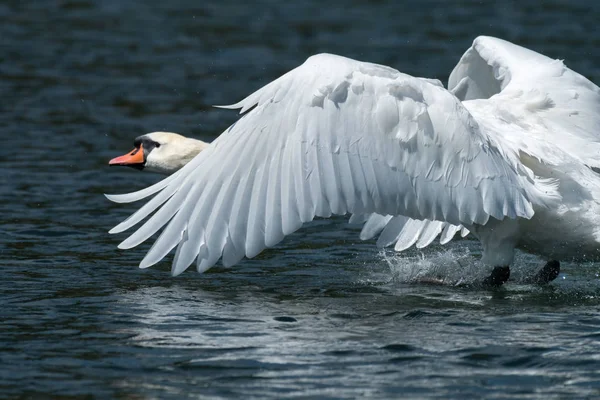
[506, 154]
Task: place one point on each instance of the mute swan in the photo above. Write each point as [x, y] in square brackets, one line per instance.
[507, 153]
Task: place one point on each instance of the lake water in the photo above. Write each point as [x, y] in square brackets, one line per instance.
[323, 315]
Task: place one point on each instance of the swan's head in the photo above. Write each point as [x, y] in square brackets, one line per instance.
[162, 152]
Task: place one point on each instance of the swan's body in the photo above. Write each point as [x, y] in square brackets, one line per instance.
[505, 154]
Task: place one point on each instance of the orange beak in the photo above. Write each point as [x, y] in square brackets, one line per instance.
[136, 156]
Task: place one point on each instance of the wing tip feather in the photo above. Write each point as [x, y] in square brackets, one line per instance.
[117, 198]
[229, 106]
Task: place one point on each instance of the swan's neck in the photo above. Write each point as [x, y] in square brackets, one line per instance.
[195, 146]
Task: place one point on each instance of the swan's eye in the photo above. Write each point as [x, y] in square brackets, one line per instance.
[157, 145]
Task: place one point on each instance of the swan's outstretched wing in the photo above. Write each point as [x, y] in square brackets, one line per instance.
[528, 104]
[330, 137]
[531, 103]
[404, 232]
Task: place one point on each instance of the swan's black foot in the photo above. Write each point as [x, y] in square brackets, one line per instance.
[548, 273]
[498, 276]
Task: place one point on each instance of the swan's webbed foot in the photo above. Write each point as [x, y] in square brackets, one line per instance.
[498, 276]
[548, 273]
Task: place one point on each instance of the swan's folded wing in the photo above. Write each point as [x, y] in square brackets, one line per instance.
[549, 111]
[332, 136]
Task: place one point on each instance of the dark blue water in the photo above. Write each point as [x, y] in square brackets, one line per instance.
[321, 316]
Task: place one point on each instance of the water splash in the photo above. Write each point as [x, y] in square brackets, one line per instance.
[450, 266]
